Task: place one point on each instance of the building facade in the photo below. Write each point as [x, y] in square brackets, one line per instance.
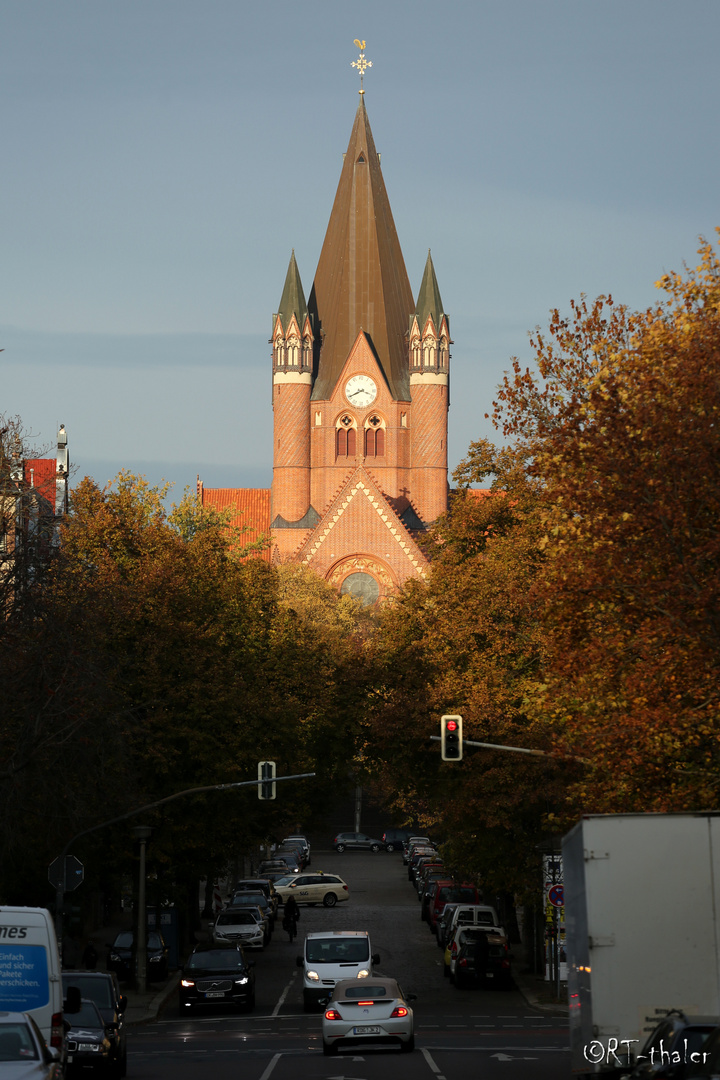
[360, 383]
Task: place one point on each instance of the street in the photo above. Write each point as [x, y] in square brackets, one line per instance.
[459, 1033]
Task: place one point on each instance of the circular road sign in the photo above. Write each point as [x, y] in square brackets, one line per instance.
[556, 895]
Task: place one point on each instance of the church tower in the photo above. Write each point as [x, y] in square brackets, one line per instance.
[360, 379]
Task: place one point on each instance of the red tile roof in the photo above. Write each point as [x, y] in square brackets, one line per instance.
[40, 474]
[252, 506]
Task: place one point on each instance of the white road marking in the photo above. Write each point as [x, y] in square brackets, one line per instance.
[273, 1062]
[282, 997]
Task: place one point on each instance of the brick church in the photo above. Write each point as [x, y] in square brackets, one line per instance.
[360, 376]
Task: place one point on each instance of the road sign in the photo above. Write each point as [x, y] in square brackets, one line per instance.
[556, 895]
[66, 873]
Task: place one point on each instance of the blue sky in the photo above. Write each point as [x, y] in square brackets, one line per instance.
[161, 158]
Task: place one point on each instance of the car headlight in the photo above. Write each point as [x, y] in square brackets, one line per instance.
[363, 974]
[241, 982]
[114, 957]
[187, 982]
[313, 976]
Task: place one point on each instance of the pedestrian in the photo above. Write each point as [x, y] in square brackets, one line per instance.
[290, 917]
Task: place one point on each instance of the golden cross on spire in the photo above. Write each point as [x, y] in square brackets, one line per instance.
[361, 63]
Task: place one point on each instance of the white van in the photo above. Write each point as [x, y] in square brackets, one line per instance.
[331, 956]
[30, 969]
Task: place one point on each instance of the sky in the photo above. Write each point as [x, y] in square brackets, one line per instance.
[162, 158]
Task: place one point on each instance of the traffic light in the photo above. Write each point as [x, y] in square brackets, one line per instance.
[266, 780]
[451, 738]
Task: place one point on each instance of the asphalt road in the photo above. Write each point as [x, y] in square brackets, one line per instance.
[460, 1034]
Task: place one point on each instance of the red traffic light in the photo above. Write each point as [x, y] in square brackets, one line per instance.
[451, 725]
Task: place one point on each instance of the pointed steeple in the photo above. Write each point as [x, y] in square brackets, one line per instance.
[429, 303]
[361, 282]
[292, 301]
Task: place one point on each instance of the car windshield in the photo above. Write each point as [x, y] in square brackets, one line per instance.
[242, 918]
[87, 1017]
[287, 879]
[337, 951]
[250, 899]
[124, 940]
[457, 892]
[97, 989]
[216, 960]
[16, 1043]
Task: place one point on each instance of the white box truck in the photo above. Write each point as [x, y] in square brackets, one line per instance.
[30, 979]
[642, 903]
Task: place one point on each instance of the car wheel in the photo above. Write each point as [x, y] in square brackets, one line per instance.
[329, 900]
[250, 1003]
[390, 847]
[340, 847]
[329, 1049]
[374, 847]
[409, 1046]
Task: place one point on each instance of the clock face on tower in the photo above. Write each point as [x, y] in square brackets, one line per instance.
[361, 391]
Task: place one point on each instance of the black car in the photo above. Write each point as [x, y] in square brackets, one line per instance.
[356, 841]
[483, 957]
[217, 975]
[678, 1036]
[102, 987]
[394, 839]
[89, 1040]
[120, 956]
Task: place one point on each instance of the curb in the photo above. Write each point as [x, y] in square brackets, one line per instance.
[151, 1010]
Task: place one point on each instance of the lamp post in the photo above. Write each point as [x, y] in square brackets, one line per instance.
[143, 834]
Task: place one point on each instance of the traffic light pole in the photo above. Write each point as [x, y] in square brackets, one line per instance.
[518, 750]
[60, 890]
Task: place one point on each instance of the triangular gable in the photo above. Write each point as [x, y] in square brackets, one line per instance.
[361, 510]
[360, 340]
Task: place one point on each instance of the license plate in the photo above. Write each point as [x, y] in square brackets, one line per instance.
[215, 994]
[366, 1030]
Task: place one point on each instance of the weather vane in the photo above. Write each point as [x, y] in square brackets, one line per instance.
[361, 63]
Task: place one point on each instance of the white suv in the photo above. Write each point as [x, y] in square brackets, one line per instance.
[327, 958]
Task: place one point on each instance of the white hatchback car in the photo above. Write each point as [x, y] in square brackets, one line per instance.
[239, 926]
[370, 1011]
[317, 888]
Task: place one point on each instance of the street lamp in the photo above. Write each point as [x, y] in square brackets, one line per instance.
[143, 834]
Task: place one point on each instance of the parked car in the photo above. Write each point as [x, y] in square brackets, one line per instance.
[89, 1041]
[447, 892]
[356, 841]
[317, 888]
[103, 988]
[482, 956]
[374, 1011]
[24, 1052]
[412, 842]
[253, 900]
[687, 1035]
[270, 867]
[217, 975]
[240, 926]
[259, 884]
[306, 844]
[292, 856]
[393, 839]
[297, 845]
[120, 956]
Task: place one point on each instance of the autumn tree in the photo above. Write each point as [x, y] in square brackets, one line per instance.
[620, 428]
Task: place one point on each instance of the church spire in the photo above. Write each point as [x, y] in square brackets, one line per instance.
[429, 303]
[361, 282]
[292, 301]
